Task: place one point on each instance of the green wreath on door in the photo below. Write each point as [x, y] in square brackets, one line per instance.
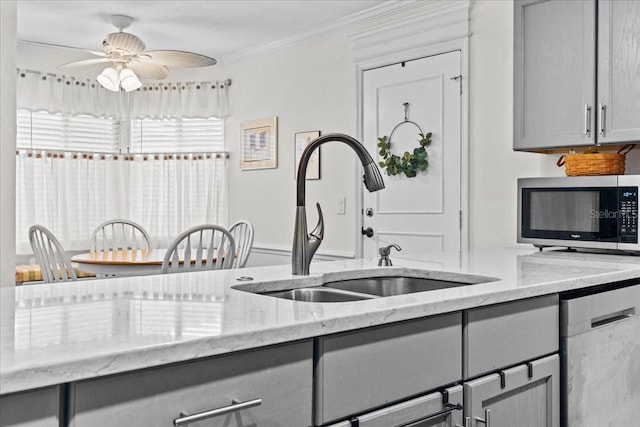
[408, 163]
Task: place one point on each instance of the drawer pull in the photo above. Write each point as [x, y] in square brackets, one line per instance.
[449, 408]
[487, 418]
[236, 406]
[613, 317]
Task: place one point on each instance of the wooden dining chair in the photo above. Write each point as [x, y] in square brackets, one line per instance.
[242, 232]
[54, 262]
[119, 235]
[203, 247]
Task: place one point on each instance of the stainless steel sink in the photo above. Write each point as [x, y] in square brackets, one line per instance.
[319, 294]
[394, 285]
[370, 287]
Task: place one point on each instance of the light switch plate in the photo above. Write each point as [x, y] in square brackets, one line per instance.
[341, 205]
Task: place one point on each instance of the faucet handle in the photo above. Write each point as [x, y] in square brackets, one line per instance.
[318, 232]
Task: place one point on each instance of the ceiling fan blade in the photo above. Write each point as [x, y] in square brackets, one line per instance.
[179, 58]
[149, 70]
[94, 52]
[127, 42]
[84, 62]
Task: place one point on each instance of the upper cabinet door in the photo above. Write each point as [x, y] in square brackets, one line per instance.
[618, 71]
[554, 73]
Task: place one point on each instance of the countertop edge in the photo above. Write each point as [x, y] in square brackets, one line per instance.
[118, 361]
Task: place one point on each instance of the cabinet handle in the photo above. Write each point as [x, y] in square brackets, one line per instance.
[449, 408]
[613, 317]
[236, 406]
[587, 119]
[487, 418]
[601, 110]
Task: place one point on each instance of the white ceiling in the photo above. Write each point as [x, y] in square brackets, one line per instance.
[215, 28]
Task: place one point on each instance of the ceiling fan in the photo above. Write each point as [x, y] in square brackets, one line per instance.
[129, 61]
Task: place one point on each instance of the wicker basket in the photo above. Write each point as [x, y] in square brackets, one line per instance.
[594, 164]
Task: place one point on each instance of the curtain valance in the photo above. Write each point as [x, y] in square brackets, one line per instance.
[70, 95]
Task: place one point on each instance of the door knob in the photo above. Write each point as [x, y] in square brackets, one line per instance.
[368, 212]
[367, 231]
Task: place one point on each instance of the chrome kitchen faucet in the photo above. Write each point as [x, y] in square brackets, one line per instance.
[306, 244]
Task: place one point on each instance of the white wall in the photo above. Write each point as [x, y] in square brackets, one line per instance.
[7, 141]
[309, 86]
[494, 166]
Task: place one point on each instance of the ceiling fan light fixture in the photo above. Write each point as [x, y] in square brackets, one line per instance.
[128, 80]
[109, 79]
[130, 61]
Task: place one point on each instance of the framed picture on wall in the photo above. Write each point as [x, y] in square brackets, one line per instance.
[303, 139]
[259, 144]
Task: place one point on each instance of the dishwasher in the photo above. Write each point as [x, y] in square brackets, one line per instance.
[600, 346]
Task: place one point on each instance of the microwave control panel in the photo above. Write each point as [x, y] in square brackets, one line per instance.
[628, 219]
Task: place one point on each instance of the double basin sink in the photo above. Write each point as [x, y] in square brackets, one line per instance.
[373, 287]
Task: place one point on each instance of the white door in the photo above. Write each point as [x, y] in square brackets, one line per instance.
[421, 214]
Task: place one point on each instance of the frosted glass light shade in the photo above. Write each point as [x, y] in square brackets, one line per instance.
[128, 80]
[109, 79]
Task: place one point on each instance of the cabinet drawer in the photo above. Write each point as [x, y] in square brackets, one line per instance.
[280, 376]
[370, 368]
[423, 411]
[506, 334]
[37, 408]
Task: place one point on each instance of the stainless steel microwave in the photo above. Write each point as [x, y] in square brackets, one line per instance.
[599, 212]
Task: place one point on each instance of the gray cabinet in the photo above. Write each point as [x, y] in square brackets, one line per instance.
[523, 396]
[618, 71]
[554, 73]
[370, 368]
[36, 408]
[269, 387]
[510, 344]
[506, 334]
[557, 71]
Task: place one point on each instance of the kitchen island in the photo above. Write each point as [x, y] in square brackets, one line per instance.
[72, 332]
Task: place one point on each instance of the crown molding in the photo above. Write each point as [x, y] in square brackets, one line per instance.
[385, 9]
[412, 27]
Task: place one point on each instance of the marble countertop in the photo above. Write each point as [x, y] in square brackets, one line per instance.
[58, 333]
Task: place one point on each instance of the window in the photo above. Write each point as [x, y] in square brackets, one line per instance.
[70, 175]
[44, 131]
[177, 136]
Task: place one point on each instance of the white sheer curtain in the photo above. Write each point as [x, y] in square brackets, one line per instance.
[162, 100]
[178, 100]
[67, 95]
[72, 193]
[176, 192]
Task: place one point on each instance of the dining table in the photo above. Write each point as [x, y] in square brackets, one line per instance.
[128, 262]
[131, 262]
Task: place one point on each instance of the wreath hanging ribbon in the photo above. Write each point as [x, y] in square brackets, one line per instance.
[408, 163]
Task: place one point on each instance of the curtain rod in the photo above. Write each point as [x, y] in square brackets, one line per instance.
[226, 81]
